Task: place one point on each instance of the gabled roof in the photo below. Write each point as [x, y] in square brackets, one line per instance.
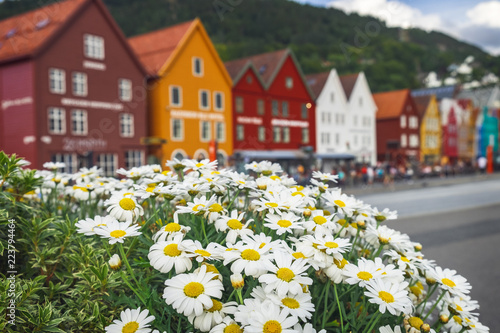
[348, 82]
[390, 104]
[317, 82]
[422, 103]
[155, 48]
[23, 35]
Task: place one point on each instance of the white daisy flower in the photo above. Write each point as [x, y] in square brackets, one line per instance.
[228, 325]
[176, 165]
[87, 226]
[320, 223]
[342, 202]
[392, 297]
[194, 249]
[213, 316]
[386, 214]
[283, 222]
[54, 165]
[201, 165]
[299, 305]
[268, 168]
[336, 270]
[362, 273]
[252, 259]
[124, 207]
[131, 321]
[170, 229]
[117, 231]
[167, 254]
[198, 206]
[269, 318]
[450, 281]
[244, 314]
[308, 328]
[234, 226]
[191, 293]
[388, 329]
[325, 177]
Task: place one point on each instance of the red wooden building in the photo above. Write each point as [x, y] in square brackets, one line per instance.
[450, 134]
[398, 127]
[71, 88]
[273, 107]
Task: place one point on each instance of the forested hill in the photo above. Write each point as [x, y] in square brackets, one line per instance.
[321, 38]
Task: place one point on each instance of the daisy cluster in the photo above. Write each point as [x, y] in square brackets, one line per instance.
[258, 253]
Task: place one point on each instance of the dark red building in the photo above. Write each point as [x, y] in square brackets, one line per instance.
[398, 127]
[450, 134]
[71, 89]
[274, 108]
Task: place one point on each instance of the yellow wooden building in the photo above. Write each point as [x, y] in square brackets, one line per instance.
[430, 129]
[189, 95]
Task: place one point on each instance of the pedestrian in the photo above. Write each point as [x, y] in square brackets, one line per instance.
[481, 163]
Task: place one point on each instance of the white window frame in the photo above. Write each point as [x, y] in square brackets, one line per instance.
[172, 132]
[275, 111]
[209, 129]
[200, 99]
[413, 122]
[127, 125]
[59, 118]
[414, 140]
[261, 133]
[286, 134]
[79, 126]
[305, 138]
[125, 90]
[57, 81]
[304, 111]
[240, 132]
[93, 46]
[239, 104]
[223, 126]
[404, 141]
[402, 121]
[283, 114]
[261, 107]
[221, 94]
[202, 69]
[171, 95]
[79, 84]
[289, 82]
[109, 165]
[134, 158]
[277, 136]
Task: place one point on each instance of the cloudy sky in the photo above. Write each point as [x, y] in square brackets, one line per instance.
[474, 21]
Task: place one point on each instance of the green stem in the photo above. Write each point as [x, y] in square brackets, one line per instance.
[435, 304]
[240, 299]
[378, 251]
[127, 282]
[234, 198]
[353, 244]
[373, 322]
[125, 260]
[429, 294]
[326, 304]
[338, 306]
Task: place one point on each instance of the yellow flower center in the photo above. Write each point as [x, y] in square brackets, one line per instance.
[458, 319]
[197, 207]
[130, 327]
[341, 263]
[386, 297]
[285, 274]
[272, 326]
[234, 224]
[193, 289]
[250, 254]
[216, 208]
[416, 322]
[416, 290]
[290, 303]
[203, 253]
[275, 177]
[171, 250]
[448, 282]
[298, 193]
[127, 204]
[172, 227]
[342, 222]
[233, 328]
[284, 223]
[339, 203]
[267, 172]
[216, 307]
[199, 165]
[331, 245]
[459, 308]
[262, 245]
[298, 255]
[384, 240]
[319, 220]
[271, 204]
[364, 276]
[83, 189]
[211, 269]
[117, 233]
[404, 259]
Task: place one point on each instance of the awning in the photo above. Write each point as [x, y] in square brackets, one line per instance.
[335, 156]
[272, 154]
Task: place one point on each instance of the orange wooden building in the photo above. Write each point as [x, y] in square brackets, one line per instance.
[189, 95]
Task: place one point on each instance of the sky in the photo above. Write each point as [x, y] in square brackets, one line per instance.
[473, 21]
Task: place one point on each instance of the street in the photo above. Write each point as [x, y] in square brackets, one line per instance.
[459, 227]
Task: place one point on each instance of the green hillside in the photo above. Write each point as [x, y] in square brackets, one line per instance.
[321, 38]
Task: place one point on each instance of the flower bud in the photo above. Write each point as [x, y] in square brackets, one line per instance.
[417, 247]
[237, 281]
[430, 281]
[306, 213]
[425, 328]
[444, 318]
[115, 262]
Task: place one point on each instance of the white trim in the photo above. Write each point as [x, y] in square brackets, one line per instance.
[172, 130]
[202, 151]
[95, 44]
[209, 129]
[62, 120]
[131, 125]
[85, 122]
[176, 151]
[200, 99]
[53, 90]
[223, 131]
[171, 103]
[222, 100]
[202, 67]
[237, 132]
[125, 85]
[84, 84]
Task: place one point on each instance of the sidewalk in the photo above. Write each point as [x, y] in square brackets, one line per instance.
[419, 183]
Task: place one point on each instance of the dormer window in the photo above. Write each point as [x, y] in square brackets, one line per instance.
[197, 66]
[289, 83]
[93, 46]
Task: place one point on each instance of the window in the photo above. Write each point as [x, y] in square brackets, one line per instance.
[57, 81]
[197, 66]
[93, 46]
[262, 133]
[277, 134]
[218, 101]
[69, 159]
[205, 130]
[403, 140]
[304, 111]
[414, 140]
[134, 158]
[288, 82]
[329, 118]
[260, 107]
[337, 118]
[79, 84]
[342, 119]
[57, 121]
[175, 96]
[220, 132]
[305, 135]
[332, 97]
[127, 125]
[108, 163]
[402, 121]
[284, 109]
[79, 123]
[286, 134]
[240, 132]
[125, 90]
[204, 101]
[413, 122]
[177, 129]
[275, 108]
[337, 138]
[239, 104]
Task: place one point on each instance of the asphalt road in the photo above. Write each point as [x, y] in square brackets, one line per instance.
[459, 227]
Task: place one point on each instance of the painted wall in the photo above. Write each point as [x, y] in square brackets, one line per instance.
[430, 133]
